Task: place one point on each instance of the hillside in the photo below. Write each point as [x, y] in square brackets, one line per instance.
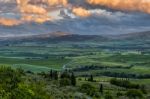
[130, 40]
[134, 36]
[54, 37]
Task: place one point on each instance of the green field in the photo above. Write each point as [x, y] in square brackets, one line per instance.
[57, 55]
[55, 63]
[103, 64]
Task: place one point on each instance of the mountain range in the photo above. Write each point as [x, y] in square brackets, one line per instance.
[64, 36]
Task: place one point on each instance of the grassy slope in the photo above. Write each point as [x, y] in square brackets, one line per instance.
[51, 63]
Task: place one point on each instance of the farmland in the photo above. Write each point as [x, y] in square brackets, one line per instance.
[84, 60]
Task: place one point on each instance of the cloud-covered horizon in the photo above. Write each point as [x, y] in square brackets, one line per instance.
[28, 17]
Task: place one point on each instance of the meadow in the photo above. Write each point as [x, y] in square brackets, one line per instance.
[84, 61]
[57, 56]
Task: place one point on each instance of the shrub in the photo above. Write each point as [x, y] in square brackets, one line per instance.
[65, 82]
[124, 83]
[134, 94]
[88, 89]
[108, 95]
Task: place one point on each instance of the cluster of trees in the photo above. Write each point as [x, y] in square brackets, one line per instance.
[53, 75]
[134, 91]
[16, 84]
[89, 90]
[94, 67]
[127, 84]
[9, 79]
[65, 78]
[13, 85]
[124, 83]
[125, 75]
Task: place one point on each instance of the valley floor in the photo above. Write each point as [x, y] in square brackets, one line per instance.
[85, 61]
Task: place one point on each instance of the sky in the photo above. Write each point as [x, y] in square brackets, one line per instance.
[86, 17]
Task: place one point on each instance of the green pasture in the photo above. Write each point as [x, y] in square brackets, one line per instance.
[55, 63]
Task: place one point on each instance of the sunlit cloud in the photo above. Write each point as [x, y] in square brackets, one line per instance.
[79, 11]
[9, 22]
[126, 5]
[75, 16]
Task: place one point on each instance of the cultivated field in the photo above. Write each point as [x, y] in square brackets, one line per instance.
[102, 64]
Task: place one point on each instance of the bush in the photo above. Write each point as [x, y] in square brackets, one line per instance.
[124, 83]
[14, 86]
[65, 82]
[108, 95]
[134, 94]
[119, 94]
[9, 78]
[88, 89]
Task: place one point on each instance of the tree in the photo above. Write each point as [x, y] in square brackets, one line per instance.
[73, 79]
[101, 88]
[65, 74]
[65, 79]
[51, 74]
[91, 78]
[55, 75]
[65, 82]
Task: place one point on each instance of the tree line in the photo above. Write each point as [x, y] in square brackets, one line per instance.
[65, 78]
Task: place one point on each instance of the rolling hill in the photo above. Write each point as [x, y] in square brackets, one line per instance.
[129, 39]
[134, 36]
[54, 37]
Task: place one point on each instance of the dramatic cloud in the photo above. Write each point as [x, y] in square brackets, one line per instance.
[8, 22]
[33, 11]
[35, 18]
[40, 10]
[75, 16]
[128, 5]
[57, 2]
[79, 11]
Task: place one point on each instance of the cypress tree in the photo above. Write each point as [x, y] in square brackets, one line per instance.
[91, 78]
[101, 88]
[56, 75]
[51, 74]
[73, 79]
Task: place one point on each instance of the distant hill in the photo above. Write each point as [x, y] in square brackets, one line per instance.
[55, 37]
[59, 36]
[139, 40]
[133, 36]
